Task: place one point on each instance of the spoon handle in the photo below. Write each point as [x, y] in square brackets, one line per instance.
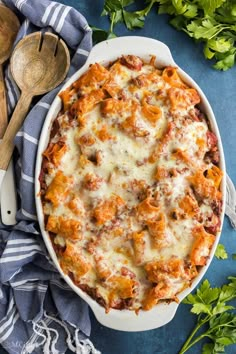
[7, 143]
[8, 199]
[3, 105]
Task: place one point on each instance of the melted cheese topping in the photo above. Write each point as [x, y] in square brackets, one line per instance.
[128, 219]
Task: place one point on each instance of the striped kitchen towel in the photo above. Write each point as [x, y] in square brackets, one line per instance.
[38, 311]
[230, 209]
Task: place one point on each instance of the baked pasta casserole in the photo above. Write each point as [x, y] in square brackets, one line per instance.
[130, 184]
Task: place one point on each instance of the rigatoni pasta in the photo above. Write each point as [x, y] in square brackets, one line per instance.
[130, 184]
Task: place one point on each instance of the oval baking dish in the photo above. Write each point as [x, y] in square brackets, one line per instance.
[105, 53]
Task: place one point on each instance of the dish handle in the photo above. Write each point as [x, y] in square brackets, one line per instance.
[128, 45]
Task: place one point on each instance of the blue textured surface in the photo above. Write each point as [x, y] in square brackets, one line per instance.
[220, 89]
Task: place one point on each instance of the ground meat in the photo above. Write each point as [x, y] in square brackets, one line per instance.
[212, 156]
[211, 139]
[132, 62]
[93, 293]
[55, 128]
[196, 115]
[217, 207]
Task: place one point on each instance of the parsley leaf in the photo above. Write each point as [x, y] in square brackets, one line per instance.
[204, 29]
[228, 292]
[201, 302]
[220, 252]
[208, 348]
[177, 7]
[209, 6]
[115, 5]
[136, 19]
[117, 11]
[227, 12]
[133, 20]
[99, 35]
[226, 61]
[215, 314]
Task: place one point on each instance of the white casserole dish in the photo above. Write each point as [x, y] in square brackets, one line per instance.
[104, 53]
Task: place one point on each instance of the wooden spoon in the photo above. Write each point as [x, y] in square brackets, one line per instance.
[39, 63]
[9, 26]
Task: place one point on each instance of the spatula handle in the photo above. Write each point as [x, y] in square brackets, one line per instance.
[3, 105]
[17, 119]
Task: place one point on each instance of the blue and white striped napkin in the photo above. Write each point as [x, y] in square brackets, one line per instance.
[230, 209]
[38, 311]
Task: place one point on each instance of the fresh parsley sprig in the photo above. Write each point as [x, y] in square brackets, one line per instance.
[212, 22]
[215, 314]
[221, 252]
[116, 10]
[119, 11]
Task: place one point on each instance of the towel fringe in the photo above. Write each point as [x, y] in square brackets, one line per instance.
[82, 346]
[49, 346]
[54, 342]
[63, 325]
[48, 343]
[85, 345]
[46, 348]
[230, 209]
[30, 347]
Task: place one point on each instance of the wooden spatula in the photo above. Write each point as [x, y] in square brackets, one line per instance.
[9, 26]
